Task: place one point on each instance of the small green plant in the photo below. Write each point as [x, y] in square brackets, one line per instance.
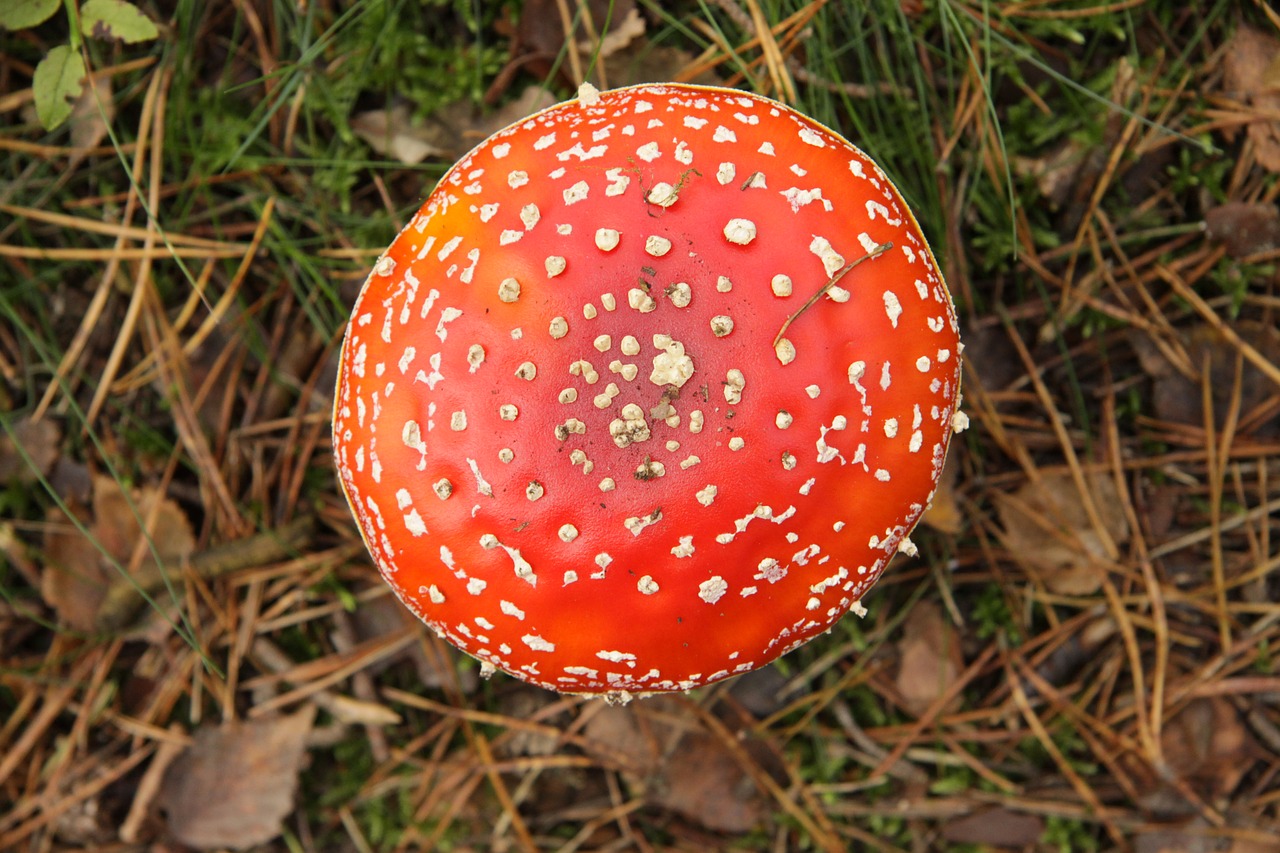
[992, 616]
[59, 77]
[1264, 662]
[1068, 836]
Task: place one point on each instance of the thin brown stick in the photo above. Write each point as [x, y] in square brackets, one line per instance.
[148, 787]
[816, 824]
[1081, 787]
[1250, 353]
[826, 288]
[124, 595]
[105, 284]
[142, 282]
[570, 47]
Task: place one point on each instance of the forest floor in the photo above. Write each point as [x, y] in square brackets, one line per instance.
[196, 651]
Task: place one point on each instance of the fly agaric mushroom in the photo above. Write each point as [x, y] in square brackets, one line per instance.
[648, 392]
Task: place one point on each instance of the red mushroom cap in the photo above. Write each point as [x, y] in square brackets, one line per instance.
[589, 428]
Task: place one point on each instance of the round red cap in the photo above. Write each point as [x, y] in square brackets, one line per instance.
[648, 392]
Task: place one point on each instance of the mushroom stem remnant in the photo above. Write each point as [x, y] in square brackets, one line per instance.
[581, 432]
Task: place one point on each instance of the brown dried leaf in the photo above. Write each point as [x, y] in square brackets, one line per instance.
[929, 658]
[79, 568]
[1189, 838]
[118, 518]
[614, 736]
[446, 133]
[1198, 836]
[86, 824]
[393, 133]
[527, 704]
[706, 784]
[619, 55]
[1077, 651]
[1056, 172]
[998, 827]
[28, 450]
[1244, 228]
[990, 359]
[943, 513]
[541, 28]
[1177, 399]
[1047, 529]
[92, 112]
[669, 759]
[1271, 76]
[625, 28]
[235, 783]
[74, 580]
[1251, 845]
[1248, 62]
[1209, 746]
[644, 61]
[433, 661]
[293, 365]
[760, 691]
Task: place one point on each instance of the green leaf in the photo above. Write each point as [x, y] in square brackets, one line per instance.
[58, 81]
[20, 14]
[115, 19]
